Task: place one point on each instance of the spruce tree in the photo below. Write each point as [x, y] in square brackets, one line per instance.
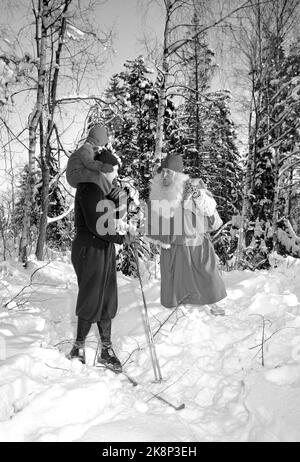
[277, 141]
[132, 118]
[135, 98]
[208, 133]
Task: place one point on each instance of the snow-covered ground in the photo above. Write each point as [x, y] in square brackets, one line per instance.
[213, 365]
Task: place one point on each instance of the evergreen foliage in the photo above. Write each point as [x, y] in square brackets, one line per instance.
[276, 144]
[132, 117]
[59, 233]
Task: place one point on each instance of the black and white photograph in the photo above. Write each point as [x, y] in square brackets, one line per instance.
[149, 224]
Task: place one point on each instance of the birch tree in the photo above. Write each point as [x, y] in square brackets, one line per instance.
[40, 12]
[70, 51]
[260, 38]
[178, 15]
[55, 28]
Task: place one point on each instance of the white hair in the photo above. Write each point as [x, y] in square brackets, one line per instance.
[171, 195]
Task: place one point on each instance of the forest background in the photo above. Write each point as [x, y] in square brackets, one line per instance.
[216, 80]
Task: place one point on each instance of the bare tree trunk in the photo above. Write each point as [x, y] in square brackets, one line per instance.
[2, 232]
[13, 199]
[41, 40]
[275, 215]
[43, 220]
[197, 64]
[255, 109]
[248, 180]
[162, 99]
[45, 145]
[289, 191]
[9, 171]
[45, 195]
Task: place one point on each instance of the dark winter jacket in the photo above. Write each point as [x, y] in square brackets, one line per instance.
[87, 219]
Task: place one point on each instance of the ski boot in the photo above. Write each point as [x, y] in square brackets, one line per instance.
[109, 359]
[77, 352]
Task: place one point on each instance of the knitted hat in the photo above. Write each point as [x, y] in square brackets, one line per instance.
[107, 157]
[173, 162]
[98, 135]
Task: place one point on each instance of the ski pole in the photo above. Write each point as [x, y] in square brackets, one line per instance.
[148, 331]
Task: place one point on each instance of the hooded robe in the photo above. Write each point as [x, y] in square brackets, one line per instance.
[188, 264]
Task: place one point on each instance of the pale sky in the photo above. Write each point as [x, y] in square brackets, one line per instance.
[130, 20]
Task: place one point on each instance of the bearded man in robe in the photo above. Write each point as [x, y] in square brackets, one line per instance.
[179, 216]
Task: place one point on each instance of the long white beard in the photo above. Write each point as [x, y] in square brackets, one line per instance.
[165, 199]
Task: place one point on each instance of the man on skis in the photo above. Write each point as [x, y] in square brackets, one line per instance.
[94, 260]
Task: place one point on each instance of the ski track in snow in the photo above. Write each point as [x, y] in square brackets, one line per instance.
[213, 365]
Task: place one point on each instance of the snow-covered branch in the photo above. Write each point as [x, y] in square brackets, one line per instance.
[60, 217]
[285, 114]
[288, 167]
[216, 235]
[275, 142]
[288, 238]
[74, 99]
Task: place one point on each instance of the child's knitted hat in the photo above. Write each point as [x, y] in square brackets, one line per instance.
[98, 135]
